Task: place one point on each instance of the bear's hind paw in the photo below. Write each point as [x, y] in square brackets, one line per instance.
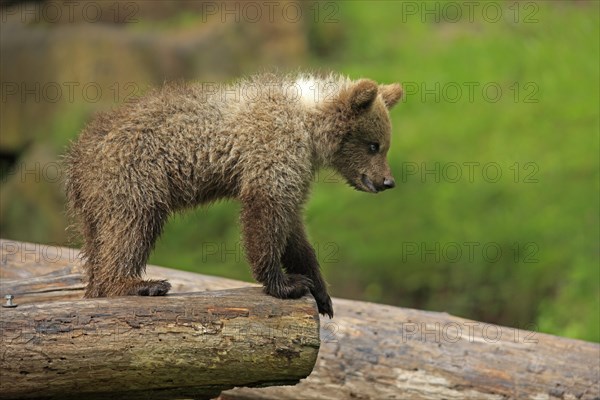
[152, 288]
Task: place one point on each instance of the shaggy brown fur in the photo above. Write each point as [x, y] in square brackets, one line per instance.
[259, 140]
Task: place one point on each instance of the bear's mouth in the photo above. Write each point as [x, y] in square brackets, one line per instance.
[367, 184]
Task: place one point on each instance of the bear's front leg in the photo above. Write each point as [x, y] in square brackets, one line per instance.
[265, 224]
[299, 258]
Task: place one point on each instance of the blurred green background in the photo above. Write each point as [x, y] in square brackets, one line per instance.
[495, 147]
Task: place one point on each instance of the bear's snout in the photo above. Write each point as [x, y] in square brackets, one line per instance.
[389, 183]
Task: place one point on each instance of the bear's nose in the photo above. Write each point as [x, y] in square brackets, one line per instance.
[389, 183]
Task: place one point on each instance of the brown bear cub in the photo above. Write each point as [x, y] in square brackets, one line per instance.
[259, 140]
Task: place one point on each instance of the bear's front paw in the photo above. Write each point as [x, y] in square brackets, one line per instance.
[324, 304]
[293, 286]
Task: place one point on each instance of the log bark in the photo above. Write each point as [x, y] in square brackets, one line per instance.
[179, 346]
[372, 351]
[193, 345]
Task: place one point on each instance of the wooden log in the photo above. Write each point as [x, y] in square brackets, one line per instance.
[373, 351]
[186, 345]
[40, 272]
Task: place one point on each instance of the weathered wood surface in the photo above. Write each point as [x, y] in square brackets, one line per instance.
[372, 351]
[47, 272]
[185, 345]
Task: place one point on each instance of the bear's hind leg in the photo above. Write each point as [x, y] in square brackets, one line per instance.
[123, 243]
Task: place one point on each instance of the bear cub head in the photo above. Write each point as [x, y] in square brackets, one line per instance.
[363, 117]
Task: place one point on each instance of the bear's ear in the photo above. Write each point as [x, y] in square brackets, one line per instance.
[391, 94]
[361, 95]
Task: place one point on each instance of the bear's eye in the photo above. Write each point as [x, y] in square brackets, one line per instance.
[373, 148]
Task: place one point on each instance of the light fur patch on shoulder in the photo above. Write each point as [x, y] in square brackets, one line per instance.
[315, 91]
